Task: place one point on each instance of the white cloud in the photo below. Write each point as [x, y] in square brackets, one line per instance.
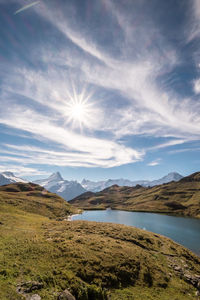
[88, 151]
[154, 163]
[169, 143]
[26, 7]
[193, 26]
[184, 150]
[20, 170]
[197, 86]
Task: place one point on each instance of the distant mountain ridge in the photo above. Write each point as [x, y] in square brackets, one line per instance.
[71, 189]
[175, 197]
[64, 188]
[101, 185]
[9, 177]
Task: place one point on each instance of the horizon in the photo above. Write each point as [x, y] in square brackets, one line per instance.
[87, 179]
[100, 90]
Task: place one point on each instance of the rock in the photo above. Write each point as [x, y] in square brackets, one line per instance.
[192, 279]
[197, 293]
[66, 295]
[29, 286]
[33, 297]
[177, 268]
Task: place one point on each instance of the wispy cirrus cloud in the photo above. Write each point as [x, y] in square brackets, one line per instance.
[154, 163]
[30, 154]
[26, 7]
[193, 26]
[136, 78]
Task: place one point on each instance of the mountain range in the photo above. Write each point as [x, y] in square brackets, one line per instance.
[71, 189]
[179, 198]
[101, 185]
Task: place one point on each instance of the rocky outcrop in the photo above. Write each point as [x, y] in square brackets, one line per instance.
[29, 287]
[184, 273]
[25, 288]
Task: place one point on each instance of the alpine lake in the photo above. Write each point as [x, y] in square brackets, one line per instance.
[185, 231]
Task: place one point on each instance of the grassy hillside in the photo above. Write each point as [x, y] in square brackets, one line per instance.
[180, 198]
[33, 198]
[94, 261]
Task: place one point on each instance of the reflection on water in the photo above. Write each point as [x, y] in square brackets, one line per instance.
[185, 231]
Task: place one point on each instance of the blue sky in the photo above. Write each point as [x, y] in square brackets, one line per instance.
[99, 89]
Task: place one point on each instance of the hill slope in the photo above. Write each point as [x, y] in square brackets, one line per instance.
[94, 261]
[33, 198]
[181, 198]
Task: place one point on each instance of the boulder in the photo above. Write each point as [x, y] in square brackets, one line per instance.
[33, 297]
[66, 295]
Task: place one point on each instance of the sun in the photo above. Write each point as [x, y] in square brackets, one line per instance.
[79, 110]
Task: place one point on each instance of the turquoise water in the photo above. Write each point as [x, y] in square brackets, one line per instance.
[185, 231]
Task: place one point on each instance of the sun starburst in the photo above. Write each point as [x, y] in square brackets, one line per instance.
[80, 109]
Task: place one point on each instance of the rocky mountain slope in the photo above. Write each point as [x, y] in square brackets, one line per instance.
[9, 177]
[64, 188]
[44, 258]
[181, 198]
[101, 185]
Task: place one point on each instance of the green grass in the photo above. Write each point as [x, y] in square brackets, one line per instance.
[178, 198]
[95, 261]
[33, 198]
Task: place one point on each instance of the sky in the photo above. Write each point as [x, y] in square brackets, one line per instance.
[99, 89]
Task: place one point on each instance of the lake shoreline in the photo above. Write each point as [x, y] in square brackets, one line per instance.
[69, 218]
[183, 230]
[141, 211]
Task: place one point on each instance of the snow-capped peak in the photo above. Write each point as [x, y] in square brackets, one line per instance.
[55, 177]
[173, 176]
[66, 189]
[94, 186]
[8, 174]
[8, 177]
